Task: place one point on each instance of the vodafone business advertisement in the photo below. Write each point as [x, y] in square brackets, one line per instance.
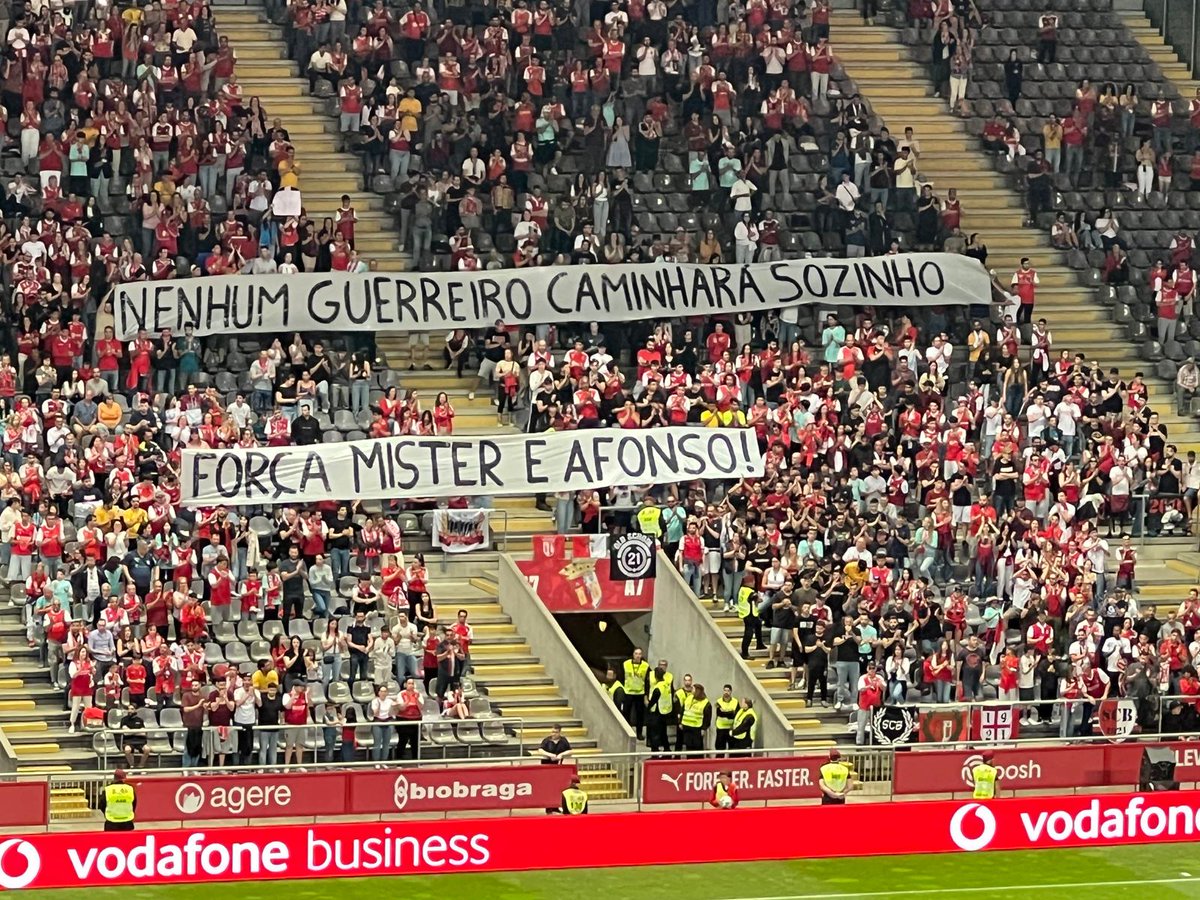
[350, 793]
[98, 859]
[760, 778]
[1037, 768]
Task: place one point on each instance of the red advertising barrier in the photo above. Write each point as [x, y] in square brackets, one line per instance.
[759, 778]
[1036, 768]
[98, 859]
[24, 803]
[436, 790]
[356, 793]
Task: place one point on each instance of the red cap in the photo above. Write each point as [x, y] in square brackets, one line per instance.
[986, 755]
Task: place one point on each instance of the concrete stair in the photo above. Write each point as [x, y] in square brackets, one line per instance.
[33, 716]
[326, 172]
[815, 726]
[899, 92]
[1163, 54]
[511, 676]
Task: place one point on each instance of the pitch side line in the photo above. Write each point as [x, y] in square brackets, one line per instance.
[922, 892]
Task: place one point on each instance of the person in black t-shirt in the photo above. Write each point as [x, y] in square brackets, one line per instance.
[804, 625]
[1004, 489]
[816, 662]
[491, 351]
[339, 542]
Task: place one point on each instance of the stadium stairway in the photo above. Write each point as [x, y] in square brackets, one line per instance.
[898, 89]
[32, 717]
[815, 726]
[507, 671]
[1162, 53]
[326, 173]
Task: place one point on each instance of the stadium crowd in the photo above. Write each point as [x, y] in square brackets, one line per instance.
[928, 477]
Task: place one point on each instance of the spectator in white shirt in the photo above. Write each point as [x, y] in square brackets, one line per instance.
[745, 239]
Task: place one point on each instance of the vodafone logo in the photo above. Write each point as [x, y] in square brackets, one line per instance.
[986, 827]
[19, 864]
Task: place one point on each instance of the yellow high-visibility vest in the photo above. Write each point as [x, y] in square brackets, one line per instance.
[744, 607]
[835, 775]
[727, 712]
[984, 776]
[650, 521]
[575, 801]
[118, 803]
[693, 714]
[635, 677]
[739, 720]
[663, 685]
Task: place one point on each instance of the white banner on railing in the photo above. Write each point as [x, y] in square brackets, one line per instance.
[340, 301]
[431, 467]
[461, 530]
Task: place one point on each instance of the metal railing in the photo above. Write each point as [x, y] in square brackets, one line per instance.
[319, 739]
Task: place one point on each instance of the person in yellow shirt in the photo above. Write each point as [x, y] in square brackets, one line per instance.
[724, 417]
[105, 514]
[166, 187]
[289, 171]
[109, 413]
[409, 108]
[135, 518]
[854, 575]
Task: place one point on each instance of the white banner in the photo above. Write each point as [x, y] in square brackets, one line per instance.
[437, 301]
[461, 530]
[401, 468]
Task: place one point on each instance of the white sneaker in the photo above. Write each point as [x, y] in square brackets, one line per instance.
[71, 730]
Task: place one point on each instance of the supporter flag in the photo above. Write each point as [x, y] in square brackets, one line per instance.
[632, 557]
[1117, 718]
[549, 546]
[895, 724]
[589, 546]
[995, 723]
[945, 726]
[461, 530]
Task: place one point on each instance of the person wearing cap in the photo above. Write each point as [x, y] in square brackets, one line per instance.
[983, 775]
[574, 799]
[835, 780]
[118, 803]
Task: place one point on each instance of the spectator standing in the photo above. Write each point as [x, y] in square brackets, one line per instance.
[270, 717]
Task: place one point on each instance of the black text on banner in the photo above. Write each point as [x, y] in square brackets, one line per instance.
[432, 467]
[341, 301]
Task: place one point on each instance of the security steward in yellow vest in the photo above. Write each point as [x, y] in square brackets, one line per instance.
[984, 775]
[574, 800]
[660, 707]
[727, 708]
[615, 689]
[649, 518]
[744, 732]
[746, 607]
[835, 780]
[683, 699]
[635, 671]
[118, 803]
[696, 720]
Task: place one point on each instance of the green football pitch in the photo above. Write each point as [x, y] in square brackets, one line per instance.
[1157, 871]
